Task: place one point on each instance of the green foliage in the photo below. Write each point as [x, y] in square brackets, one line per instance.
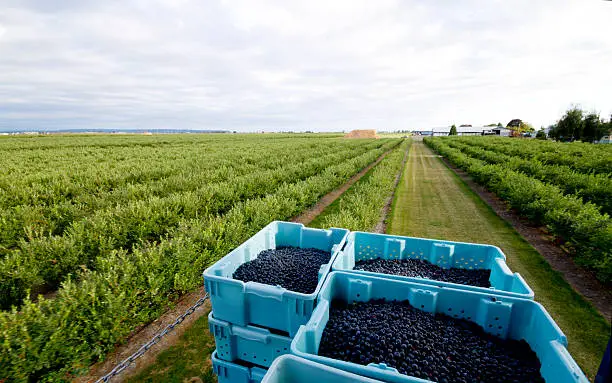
[119, 267]
[453, 131]
[526, 127]
[596, 188]
[514, 124]
[587, 231]
[46, 260]
[570, 127]
[520, 127]
[541, 134]
[579, 125]
[594, 128]
[360, 207]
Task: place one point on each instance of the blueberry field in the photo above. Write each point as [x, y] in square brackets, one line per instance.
[98, 234]
[102, 234]
[565, 187]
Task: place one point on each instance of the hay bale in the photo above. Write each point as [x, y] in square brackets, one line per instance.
[363, 133]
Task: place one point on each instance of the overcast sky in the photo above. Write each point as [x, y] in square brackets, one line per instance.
[303, 65]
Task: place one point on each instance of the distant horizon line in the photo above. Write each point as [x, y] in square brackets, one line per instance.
[171, 130]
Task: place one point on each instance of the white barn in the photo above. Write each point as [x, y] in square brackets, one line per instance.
[498, 131]
[466, 131]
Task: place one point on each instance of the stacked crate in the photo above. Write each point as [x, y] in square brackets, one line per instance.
[506, 309]
[254, 323]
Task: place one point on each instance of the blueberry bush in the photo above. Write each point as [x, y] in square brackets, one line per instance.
[119, 265]
[360, 207]
[582, 224]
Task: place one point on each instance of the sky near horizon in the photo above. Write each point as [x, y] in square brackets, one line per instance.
[300, 65]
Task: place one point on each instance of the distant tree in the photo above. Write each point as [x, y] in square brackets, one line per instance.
[518, 130]
[570, 127]
[594, 128]
[491, 125]
[453, 131]
[516, 123]
[541, 134]
[465, 125]
[499, 125]
[526, 127]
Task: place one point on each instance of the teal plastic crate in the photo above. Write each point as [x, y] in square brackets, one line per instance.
[263, 305]
[289, 368]
[252, 344]
[506, 317]
[228, 372]
[363, 246]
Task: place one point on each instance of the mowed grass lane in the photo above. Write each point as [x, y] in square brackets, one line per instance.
[186, 361]
[432, 202]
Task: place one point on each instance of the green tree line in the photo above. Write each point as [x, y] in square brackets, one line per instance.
[578, 125]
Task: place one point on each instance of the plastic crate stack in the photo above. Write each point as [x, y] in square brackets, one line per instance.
[253, 323]
[248, 319]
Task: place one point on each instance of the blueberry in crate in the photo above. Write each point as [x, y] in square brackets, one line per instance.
[403, 331]
[469, 266]
[435, 347]
[272, 305]
[293, 268]
[420, 268]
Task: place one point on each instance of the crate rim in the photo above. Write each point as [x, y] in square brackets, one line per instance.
[333, 254]
[530, 294]
[487, 245]
[350, 376]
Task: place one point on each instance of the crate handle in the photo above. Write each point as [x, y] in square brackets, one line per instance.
[255, 335]
[265, 291]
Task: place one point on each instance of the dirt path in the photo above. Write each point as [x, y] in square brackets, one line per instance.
[579, 278]
[434, 202]
[309, 215]
[145, 333]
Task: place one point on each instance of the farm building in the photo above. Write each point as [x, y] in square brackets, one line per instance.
[498, 131]
[605, 140]
[462, 131]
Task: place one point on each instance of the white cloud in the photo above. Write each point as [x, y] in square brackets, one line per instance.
[322, 65]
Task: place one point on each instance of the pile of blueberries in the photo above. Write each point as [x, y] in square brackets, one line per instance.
[438, 348]
[425, 269]
[293, 268]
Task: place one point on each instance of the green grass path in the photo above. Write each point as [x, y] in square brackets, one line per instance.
[187, 361]
[432, 202]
